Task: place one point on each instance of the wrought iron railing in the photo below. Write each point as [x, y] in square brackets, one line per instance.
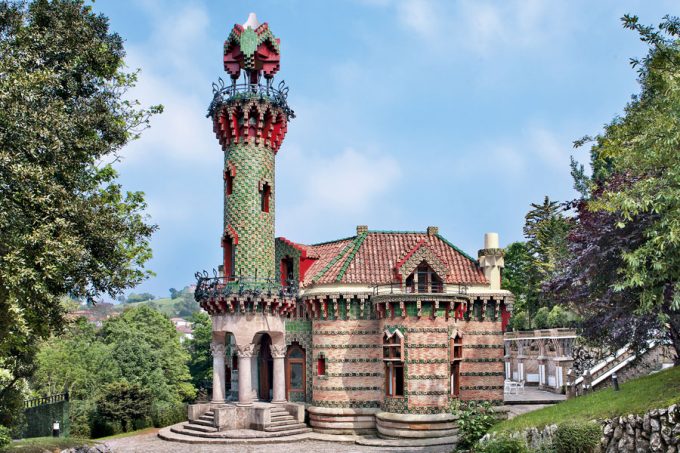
[431, 288]
[223, 94]
[242, 286]
[41, 401]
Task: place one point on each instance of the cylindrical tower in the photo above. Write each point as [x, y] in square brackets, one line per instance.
[250, 120]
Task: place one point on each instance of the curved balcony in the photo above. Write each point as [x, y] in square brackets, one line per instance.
[224, 94]
[244, 294]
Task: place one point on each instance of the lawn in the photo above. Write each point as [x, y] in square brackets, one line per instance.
[41, 444]
[635, 397]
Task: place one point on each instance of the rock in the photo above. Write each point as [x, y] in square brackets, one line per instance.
[654, 423]
[641, 446]
[672, 414]
[629, 443]
[618, 432]
[645, 423]
[608, 430]
[655, 443]
[629, 429]
[666, 433]
[654, 413]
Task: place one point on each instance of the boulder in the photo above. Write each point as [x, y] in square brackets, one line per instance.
[655, 443]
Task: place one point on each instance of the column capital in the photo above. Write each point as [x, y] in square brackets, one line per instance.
[217, 349]
[278, 351]
[245, 350]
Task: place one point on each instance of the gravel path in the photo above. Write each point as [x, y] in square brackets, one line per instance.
[151, 443]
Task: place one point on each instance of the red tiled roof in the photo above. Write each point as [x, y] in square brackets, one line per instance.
[372, 258]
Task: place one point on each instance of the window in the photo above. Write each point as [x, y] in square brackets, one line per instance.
[424, 280]
[295, 373]
[393, 346]
[228, 182]
[265, 195]
[321, 366]
[234, 362]
[456, 345]
[229, 251]
[287, 271]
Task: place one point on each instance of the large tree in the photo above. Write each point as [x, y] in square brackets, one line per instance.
[66, 226]
[625, 264]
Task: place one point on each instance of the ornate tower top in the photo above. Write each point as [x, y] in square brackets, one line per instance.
[253, 48]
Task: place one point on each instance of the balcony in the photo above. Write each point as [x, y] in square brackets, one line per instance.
[225, 94]
[242, 286]
[435, 288]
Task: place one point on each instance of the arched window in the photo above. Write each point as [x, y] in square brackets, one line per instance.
[228, 182]
[321, 365]
[287, 271]
[456, 346]
[265, 195]
[393, 352]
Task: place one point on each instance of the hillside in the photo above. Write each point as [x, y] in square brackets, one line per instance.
[635, 397]
[167, 306]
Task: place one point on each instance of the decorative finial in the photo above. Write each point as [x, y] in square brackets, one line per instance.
[251, 22]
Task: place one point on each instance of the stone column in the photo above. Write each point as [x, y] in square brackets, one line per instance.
[279, 387]
[219, 379]
[245, 353]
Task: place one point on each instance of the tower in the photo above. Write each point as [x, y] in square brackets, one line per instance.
[250, 118]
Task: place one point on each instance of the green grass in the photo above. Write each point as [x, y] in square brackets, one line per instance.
[41, 444]
[635, 397]
[128, 434]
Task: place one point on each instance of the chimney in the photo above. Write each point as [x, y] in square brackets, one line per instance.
[362, 229]
[491, 260]
[432, 230]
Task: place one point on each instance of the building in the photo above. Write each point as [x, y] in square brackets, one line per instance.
[184, 328]
[377, 331]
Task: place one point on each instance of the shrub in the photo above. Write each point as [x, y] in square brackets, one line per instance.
[541, 318]
[474, 420]
[81, 413]
[558, 317]
[5, 437]
[166, 414]
[577, 437]
[502, 444]
[519, 321]
[122, 407]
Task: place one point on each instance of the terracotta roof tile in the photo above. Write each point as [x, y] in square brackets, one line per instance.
[371, 258]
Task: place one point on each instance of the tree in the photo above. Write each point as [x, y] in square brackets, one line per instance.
[558, 317]
[200, 362]
[625, 250]
[516, 273]
[174, 294]
[540, 320]
[143, 297]
[66, 226]
[124, 403]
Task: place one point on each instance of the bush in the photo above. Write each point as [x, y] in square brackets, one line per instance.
[166, 414]
[474, 420]
[577, 437]
[519, 321]
[541, 318]
[122, 407]
[5, 438]
[81, 413]
[558, 317]
[502, 444]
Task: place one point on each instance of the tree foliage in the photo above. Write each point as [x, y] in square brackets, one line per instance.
[200, 363]
[66, 226]
[624, 265]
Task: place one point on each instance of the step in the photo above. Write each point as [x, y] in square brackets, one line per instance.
[238, 434]
[207, 418]
[280, 418]
[290, 427]
[283, 423]
[203, 422]
[200, 428]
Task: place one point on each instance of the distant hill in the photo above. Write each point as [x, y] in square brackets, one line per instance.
[181, 306]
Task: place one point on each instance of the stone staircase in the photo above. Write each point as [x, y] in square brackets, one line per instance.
[205, 424]
[284, 424]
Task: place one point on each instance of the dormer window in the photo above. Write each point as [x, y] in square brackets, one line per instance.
[424, 280]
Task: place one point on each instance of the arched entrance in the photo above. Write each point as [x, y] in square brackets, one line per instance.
[295, 373]
[265, 365]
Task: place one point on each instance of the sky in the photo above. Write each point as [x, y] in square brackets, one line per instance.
[409, 113]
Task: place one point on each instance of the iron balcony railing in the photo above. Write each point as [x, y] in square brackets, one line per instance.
[43, 400]
[223, 94]
[242, 286]
[431, 288]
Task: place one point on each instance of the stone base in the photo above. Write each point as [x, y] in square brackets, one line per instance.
[413, 426]
[257, 416]
[330, 420]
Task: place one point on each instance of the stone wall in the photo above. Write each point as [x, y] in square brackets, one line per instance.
[656, 431]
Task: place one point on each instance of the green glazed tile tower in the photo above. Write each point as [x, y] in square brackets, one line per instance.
[250, 120]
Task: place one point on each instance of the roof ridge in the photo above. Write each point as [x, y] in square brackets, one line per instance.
[332, 242]
[457, 249]
[330, 264]
[357, 245]
[396, 232]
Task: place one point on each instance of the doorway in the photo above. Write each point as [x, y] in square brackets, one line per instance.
[295, 373]
[265, 366]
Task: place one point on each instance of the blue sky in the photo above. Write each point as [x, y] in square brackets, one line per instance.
[410, 113]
